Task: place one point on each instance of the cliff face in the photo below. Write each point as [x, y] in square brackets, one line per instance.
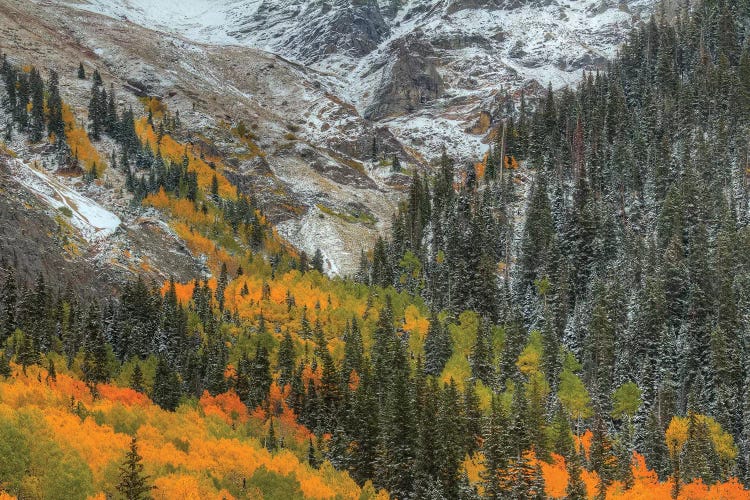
[409, 81]
[319, 29]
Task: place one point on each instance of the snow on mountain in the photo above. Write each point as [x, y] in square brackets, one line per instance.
[411, 75]
[91, 219]
[407, 63]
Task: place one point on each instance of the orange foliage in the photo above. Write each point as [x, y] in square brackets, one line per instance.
[156, 107]
[646, 484]
[200, 245]
[591, 480]
[181, 208]
[181, 451]
[173, 150]
[97, 445]
[555, 476]
[288, 427]
[730, 490]
[226, 406]
[698, 490]
[78, 140]
[480, 167]
[309, 375]
[124, 395]
[187, 488]
[353, 380]
[585, 441]
[184, 291]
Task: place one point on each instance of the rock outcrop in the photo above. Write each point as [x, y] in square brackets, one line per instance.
[409, 82]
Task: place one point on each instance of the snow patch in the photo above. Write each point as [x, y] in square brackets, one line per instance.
[91, 219]
[316, 231]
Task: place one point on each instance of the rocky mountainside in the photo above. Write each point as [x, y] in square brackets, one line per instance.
[309, 101]
[424, 68]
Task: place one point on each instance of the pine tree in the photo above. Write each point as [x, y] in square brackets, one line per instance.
[353, 351]
[497, 452]
[286, 363]
[260, 377]
[166, 392]
[136, 379]
[95, 357]
[602, 457]
[271, 443]
[317, 261]
[81, 72]
[438, 347]
[5, 370]
[8, 306]
[133, 483]
[482, 355]
[312, 458]
[37, 124]
[56, 124]
[576, 489]
[51, 371]
[215, 187]
[26, 352]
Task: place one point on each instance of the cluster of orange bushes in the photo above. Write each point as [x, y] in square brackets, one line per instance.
[646, 484]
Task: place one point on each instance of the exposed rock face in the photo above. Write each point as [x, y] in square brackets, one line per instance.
[35, 239]
[320, 29]
[409, 82]
[456, 5]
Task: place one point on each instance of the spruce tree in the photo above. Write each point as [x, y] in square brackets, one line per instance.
[136, 379]
[286, 363]
[438, 347]
[5, 370]
[133, 483]
[317, 261]
[166, 392]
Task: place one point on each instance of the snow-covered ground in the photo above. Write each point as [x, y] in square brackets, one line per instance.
[92, 220]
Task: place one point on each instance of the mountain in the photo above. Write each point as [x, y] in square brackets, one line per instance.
[562, 313]
[424, 68]
[352, 81]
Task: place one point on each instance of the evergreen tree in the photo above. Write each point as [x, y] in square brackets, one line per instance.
[166, 392]
[136, 379]
[438, 347]
[317, 261]
[286, 363]
[95, 357]
[5, 370]
[133, 483]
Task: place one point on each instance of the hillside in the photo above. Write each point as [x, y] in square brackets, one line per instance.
[563, 314]
[425, 69]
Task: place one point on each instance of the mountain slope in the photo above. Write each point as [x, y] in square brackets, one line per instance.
[434, 60]
[301, 148]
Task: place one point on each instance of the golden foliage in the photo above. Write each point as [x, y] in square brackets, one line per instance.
[78, 140]
[191, 453]
[175, 151]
